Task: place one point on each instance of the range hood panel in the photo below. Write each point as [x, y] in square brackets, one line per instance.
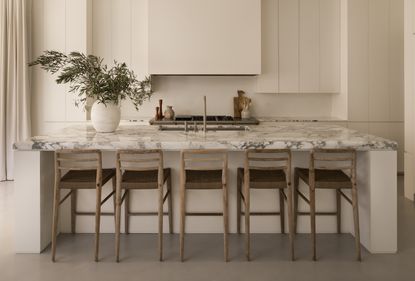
[205, 37]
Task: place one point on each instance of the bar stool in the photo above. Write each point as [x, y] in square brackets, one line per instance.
[333, 169]
[203, 169]
[84, 172]
[265, 169]
[142, 170]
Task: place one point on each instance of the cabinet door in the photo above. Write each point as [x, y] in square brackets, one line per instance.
[301, 46]
[309, 46]
[267, 82]
[288, 38]
[330, 46]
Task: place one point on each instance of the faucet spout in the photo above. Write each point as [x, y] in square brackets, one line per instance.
[204, 114]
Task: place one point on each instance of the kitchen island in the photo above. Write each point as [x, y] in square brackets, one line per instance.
[376, 177]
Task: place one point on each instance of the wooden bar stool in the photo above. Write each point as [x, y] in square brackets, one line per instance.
[142, 170]
[203, 169]
[265, 169]
[84, 171]
[329, 169]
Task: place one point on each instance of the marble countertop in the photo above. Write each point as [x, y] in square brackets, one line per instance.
[133, 135]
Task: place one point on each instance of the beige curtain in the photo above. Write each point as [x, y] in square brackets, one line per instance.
[14, 80]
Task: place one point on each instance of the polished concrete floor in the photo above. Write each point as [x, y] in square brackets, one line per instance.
[204, 256]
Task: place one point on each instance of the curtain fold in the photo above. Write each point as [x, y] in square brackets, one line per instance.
[14, 81]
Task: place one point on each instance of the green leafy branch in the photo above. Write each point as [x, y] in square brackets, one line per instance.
[90, 78]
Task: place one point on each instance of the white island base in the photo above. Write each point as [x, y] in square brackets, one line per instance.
[377, 185]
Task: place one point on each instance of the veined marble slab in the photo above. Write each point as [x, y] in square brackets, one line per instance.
[138, 135]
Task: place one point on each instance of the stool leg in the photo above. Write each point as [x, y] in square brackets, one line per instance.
[338, 211]
[225, 222]
[56, 200]
[114, 199]
[127, 212]
[160, 217]
[295, 200]
[313, 220]
[247, 222]
[182, 219]
[170, 204]
[290, 219]
[356, 221]
[73, 210]
[282, 211]
[97, 221]
[238, 203]
[117, 221]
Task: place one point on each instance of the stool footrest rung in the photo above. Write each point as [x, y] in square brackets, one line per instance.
[209, 214]
[145, 213]
[93, 214]
[318, 213]
[262, 213]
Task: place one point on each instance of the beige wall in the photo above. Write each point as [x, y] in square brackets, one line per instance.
[409, 98]
[374, 97]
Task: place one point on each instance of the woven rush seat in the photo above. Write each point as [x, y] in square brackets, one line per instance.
[85, 179]
[198, 179]
[263, 179]
[143, 179]
[326, 178]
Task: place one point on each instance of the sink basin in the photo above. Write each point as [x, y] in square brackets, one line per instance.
[200, 128]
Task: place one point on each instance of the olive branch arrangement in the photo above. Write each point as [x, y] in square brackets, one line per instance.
[90, 78]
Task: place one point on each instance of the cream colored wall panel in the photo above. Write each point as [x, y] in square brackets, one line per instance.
[379, 98]
[409, 65]
[101, 29]
[267, 82]
[359, 126]
[121, 30]
[396, 60]
[397, 133]
[330, 46]
[309, 46]
[288, 38]
[54, 39]
[205, 37]
[36, 74]
[76, 32]
[358, 60]
[139, 47]
[139, 37]
[409, 180]
[380, 129]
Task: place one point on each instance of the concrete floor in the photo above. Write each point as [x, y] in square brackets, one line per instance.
[204, 260]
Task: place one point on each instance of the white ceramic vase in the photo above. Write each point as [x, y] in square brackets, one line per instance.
[105, 117]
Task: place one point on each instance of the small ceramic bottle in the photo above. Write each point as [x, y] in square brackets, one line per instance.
[169, 113]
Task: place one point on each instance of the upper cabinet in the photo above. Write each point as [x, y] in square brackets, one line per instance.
[301, 46]
[205, 37]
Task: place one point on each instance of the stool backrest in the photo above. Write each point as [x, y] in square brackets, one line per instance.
[334, 159]
[268, 159]
[78, 160]
[206, 160]
[140, 160]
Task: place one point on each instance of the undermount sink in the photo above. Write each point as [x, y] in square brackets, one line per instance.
[200, 128]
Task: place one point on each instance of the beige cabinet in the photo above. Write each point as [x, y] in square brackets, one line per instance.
[195, 37]
[301, 46]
